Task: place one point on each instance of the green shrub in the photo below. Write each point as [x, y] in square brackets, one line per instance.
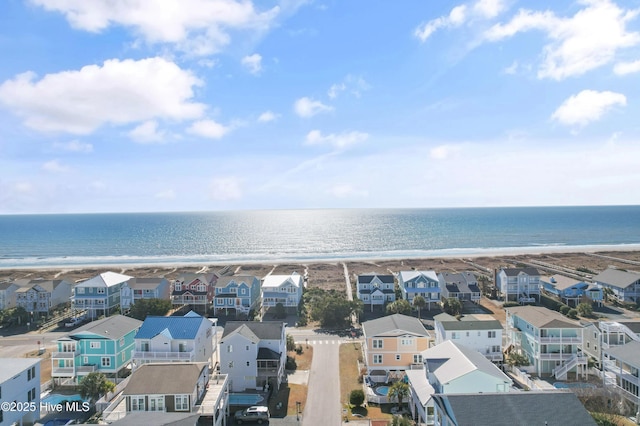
[356, 397]
[573, 313]
[510, 304]
[290, 364]
[564, 309]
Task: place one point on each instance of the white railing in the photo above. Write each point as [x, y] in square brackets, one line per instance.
[561, 371]
[556, 356]
[65, 355]
[556, 339]
[163, 356]
[63, 372]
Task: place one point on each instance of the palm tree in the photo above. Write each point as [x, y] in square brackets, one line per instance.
[401, 421]
[419, 303]
[399, 390]
[94, 385]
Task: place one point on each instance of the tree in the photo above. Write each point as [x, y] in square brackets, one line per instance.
[419, 302]
[515, 359]
[585, 309]
[279, 311]
[399, 390]
[356, 397]
[400, 421]
[145, 307]
[485, 287]
[452, 306]
[94, 385]
[291, 343]
[331, 308]
[399, 307]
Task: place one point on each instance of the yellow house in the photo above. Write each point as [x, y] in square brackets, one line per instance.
[393, 344]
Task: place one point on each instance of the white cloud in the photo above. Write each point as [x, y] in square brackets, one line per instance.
[74, 146]
[354, 85]
[307, 107]
[623, 68]
[587, 40]
[511, 69]
[587, 106]
[225, 189]
[168, 194]
[253, 63]
[489, 8]
[118, 92]
[199, 27]
[335, 89]
[443, 152]
[208, 129]
[347, 191]
[340, 140]
[147, 132]
[54, 166]
[268, 116]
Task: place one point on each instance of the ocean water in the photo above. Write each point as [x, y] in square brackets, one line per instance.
[300, 235]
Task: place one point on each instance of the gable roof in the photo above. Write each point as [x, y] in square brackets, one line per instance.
[541, 317]
[7, 284]
[561, 282]
[628, 353]
[515, 408]
[394, 325]
[158, 418]
[238, 279]
[113, 327]
[420, 384]
[467, 322]
[514, 272]
[147, 283]
[106, 279]
[617, 278]
[273, 281]
[165, 379]
[48, 285]
[449, 361]
[406, 276]
[265, 330]
[367, 278]
[185, 327]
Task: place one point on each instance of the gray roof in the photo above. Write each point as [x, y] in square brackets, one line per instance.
[157, 418]
[629, 353]
[394, 325]
[561, 282]
[552, 408]
[513, 272]
[367, 278]
[467, 322]
[113, 327]
[617, 278]
[247, 279]
[631, 325]
[6, 284]
[9, 367]
[541, 317]
[266, 330]
[147, 283]
[165, 379]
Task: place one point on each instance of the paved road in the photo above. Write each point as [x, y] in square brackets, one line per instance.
[323, 398]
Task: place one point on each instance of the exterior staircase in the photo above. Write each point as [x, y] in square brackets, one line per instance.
[561, 371]
[615, 328]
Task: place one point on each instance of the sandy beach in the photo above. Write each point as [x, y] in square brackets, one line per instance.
[330, 274]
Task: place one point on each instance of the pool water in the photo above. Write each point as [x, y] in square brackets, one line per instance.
[56, 398]
[382, 390]
[562, 385]
[244, 399]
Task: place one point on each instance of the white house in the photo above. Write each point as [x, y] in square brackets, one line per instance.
[482, 333]
[99, 295]
[285, 289]
[519, 284]
[144, 288]
[20, 383]
[420, 283]
[253, 354]
[463, 286]
[374, 289]
[622, 366]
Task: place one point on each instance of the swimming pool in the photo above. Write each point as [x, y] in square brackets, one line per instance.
[563, 385]
[382, 390]
[244, 398]
[56, 398]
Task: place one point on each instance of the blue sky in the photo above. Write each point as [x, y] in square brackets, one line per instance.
[183, 105]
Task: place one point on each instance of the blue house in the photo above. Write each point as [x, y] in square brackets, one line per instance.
[570, 290]
[99, 295]
[103, 346]
[423, 283]
[237, 294]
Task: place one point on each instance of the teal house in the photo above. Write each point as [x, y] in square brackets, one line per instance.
[104, 346]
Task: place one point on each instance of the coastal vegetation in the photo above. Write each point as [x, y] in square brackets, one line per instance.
[330, 307]
[94, 385]
[146, 307]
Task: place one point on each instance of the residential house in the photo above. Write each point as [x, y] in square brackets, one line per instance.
[509, 409]
[601, 335]
[178, 388]
[624, 286]
[622, 366]
[392, 344]
[253, 354]
[105, 346]
[451, 368]
[40, 296]
[99, 295]
[190, 338]
[7, 297]
[482, 333]
[20, 383]
[374, 289]
[569, 290]
[552, 343]
[463, 286]
[237, 294]
[284, 289]
[194, 290]
[144, 288]
[423, 283]
[518, 284]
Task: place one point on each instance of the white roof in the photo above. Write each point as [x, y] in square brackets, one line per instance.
[9, 367]
[421, 386]
[410, 275]
[106, 279]
[274, 281]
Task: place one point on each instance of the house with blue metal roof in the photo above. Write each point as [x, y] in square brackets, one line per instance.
[189, 338]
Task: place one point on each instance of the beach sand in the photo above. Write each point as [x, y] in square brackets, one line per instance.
[330, 274]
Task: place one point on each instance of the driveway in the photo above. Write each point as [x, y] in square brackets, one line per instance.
[323, 397]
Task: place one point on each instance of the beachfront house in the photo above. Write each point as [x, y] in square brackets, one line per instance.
[195, 291]
[237, 294]
[451, 368]
[552, 343]
[40, 296]
[376, 289]
[100, 295]
[623, 286]
[105, 346]
[188, 338]
[518, 284]
[622, 366]
[482, 333]
[20, 383]
[569, 290]
[522, 408]
[253, 354]
[462, 285]
[392, 344]
[7, 298]
[144, 288]
[282, 289]
[422, 283]
[602, 335]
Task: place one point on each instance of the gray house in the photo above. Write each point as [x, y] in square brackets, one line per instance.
[624, 286]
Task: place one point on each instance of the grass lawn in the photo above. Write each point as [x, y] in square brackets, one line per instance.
[349, 355]
[303, 361]
[288, 396]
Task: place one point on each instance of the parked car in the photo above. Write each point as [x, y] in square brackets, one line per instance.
[74, 322]
[255, 414]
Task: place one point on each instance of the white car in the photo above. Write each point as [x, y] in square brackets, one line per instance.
[73, 322]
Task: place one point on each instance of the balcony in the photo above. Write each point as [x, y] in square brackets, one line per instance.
[189, 300]
[86, 369]
[65, 355]
[63, 372]
[556, 356]
[147, 356]
[564, 340]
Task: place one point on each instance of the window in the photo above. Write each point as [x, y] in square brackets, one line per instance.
[455, 335]
[200, 287]
[144, 346]
[495, 349]
[587, 345]
[105, 361]
[248, 364]
[492, 334]
[80, 290]
[137, 403]
[229, 348]
[85, 360]
[94, 345]
[397, 357]
[177, 287]
[122, 341]
[243, 291]
[406, 341]
[230, 364]
[100, 290]
[247, 347]
[417, 359]
[467, 334]
[377, 343]
[377, 358]
[182, 402]
[156, 403]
